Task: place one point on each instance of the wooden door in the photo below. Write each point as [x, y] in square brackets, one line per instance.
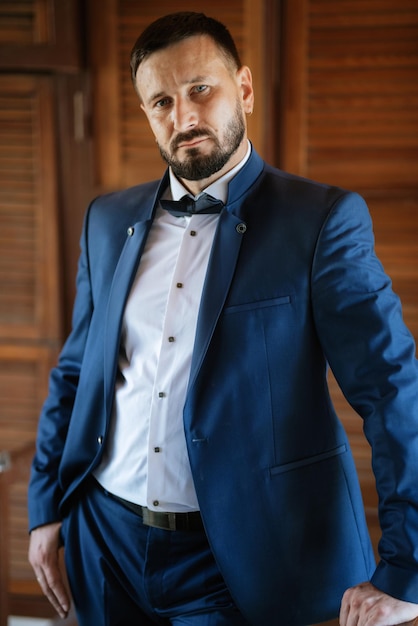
[349, 116]
[39, 54]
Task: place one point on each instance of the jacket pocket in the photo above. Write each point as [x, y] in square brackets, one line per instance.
[259, 304]
[316, 458]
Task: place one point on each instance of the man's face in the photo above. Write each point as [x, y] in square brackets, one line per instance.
[196, 104]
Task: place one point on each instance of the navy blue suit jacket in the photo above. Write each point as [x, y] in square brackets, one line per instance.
[293, 284]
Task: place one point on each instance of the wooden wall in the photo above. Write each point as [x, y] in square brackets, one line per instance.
[40, 58]
[336, 99]
[350, 117]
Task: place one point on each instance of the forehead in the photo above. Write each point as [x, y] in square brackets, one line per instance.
[197, 56]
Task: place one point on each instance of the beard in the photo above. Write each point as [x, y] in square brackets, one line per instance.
[197, 166]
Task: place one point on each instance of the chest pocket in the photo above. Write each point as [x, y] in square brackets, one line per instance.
[259, 304]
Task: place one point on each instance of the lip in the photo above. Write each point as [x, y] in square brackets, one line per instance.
[193, 142]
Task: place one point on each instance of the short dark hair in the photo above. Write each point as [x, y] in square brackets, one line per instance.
[175, 27]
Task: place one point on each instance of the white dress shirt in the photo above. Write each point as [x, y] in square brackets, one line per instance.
[146, 460]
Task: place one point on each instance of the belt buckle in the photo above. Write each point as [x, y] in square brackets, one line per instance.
[172, 521]
[156, 519]
[166, 520]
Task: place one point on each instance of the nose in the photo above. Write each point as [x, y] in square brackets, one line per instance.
[185, 115]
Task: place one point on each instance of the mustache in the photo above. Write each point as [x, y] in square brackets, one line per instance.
[191, 134]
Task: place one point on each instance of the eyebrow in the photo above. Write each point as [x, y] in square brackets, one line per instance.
[155, 96]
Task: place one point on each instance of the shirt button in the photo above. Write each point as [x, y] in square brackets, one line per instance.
[179, 285]
[161, 394]
[156, 502]
[193, 233]
[171, 339]
[157, 449]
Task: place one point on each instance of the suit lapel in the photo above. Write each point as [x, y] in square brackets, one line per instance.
[123, 277]
[223, 258]
[121, 285]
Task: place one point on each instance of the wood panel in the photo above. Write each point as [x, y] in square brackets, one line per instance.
[19, 591]
[23, 386]
[40, 35]
[350, 117]
[24, 22]
[125, 150]
[29, 286]
[30, 299]
[362, 123]
[30, 324]
[395, 218]
[40, 122]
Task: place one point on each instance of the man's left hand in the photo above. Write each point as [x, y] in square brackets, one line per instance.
[365, 605]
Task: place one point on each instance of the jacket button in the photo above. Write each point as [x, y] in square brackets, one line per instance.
[100, 440]
[241, 228]
[130, 231]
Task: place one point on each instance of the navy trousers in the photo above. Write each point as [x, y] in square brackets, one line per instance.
[123, 573]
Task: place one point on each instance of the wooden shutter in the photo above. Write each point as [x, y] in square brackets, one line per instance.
[125, 148]
[38, 39]
[362, 93]
[30, 315]
[29, 288]
[23, 22]
[40, 34]
[350, 118]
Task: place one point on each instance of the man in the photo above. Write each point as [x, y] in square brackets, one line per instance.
[188, 453]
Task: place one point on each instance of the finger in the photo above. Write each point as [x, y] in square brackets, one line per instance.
[56, 593]
[347, 615]
[343, 617]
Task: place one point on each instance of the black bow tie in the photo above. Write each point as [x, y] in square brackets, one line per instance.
[187, 206]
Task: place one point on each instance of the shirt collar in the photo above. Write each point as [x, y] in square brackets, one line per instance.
[218, 189]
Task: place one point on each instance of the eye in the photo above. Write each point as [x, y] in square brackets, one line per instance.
[200, 88]
[162, 103]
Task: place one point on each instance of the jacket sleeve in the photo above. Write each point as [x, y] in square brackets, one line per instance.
[44, 492]
[373, 357]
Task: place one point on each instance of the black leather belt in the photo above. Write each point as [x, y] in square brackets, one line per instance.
[158, 519]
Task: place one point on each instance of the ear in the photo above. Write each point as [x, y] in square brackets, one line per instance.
[245, 82]
[145, 110]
